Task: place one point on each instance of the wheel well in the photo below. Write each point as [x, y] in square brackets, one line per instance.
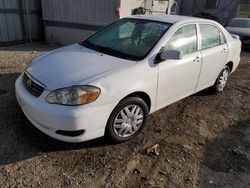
[230, 65]
[144, 96]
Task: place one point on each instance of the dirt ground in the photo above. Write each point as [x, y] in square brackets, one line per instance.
[204, 141]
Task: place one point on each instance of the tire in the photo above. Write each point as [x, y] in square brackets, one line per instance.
[127, 120]
[221, 81]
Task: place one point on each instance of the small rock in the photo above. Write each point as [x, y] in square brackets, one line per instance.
[188, 179]
[162, 172]
[136, 171]
[168, 161]
[144, 179]
[201, 142]
[157, 129]
[153, 150]
[237, 151]
[150, 183]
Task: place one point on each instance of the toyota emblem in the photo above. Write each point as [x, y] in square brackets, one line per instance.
[29, 82]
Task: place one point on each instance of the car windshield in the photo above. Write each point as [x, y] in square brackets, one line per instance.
[127, 38]
[240, 23]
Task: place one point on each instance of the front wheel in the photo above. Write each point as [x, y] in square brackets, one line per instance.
[127, 119]
[221, 80]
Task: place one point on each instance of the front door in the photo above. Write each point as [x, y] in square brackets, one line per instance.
[179, 78]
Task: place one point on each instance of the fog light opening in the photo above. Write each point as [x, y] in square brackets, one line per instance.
[70, 133]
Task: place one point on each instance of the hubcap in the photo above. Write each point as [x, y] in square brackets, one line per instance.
[128, 121]
[223, 79]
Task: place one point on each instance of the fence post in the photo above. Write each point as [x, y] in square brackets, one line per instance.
[22, 18]
[28, 20]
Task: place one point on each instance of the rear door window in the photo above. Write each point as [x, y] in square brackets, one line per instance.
[211, 36]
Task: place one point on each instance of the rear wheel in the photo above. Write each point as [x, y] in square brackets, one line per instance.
[127, 119]
[221, 80]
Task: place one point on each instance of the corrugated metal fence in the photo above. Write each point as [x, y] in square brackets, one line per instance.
[70, 21]
[20, 21]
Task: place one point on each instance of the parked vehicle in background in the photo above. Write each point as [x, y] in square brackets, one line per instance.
[109, 83]
[241, 27]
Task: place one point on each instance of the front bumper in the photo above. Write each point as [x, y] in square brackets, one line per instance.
[51, 118]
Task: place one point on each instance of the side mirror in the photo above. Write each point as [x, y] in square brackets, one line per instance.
[168, 54]
[171, 54]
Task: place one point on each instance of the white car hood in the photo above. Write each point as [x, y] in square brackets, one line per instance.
[73, 64]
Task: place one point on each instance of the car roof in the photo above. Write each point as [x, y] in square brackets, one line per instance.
[168, 18]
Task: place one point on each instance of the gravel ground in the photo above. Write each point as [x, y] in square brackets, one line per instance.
[203, 141]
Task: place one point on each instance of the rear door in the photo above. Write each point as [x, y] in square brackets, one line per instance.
[179, 78]
[214, 51]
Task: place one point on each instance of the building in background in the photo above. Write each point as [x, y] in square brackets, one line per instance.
[220, 10]
[68, 21]
[65, 21]
[243, 9]
[20, 21]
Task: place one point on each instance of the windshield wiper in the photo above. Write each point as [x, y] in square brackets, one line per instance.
[117, 53]
[99, 48]
[88, 43]
[107, 50]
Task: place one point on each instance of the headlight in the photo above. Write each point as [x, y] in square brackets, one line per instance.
[75, 95]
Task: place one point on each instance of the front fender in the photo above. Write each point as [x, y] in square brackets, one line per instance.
[140, 77]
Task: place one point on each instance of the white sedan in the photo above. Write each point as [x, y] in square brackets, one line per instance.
[109, 83]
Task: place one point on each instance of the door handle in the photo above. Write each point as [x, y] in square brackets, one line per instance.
[224, 50]
[197, 59]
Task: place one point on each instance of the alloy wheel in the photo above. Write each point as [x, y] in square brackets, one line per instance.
[128, 121]
[223, 79]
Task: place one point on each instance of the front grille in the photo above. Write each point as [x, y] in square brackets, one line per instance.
[33, 87]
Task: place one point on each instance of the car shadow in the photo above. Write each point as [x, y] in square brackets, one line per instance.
[19, 139]
[226, 159]
[205, 92]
